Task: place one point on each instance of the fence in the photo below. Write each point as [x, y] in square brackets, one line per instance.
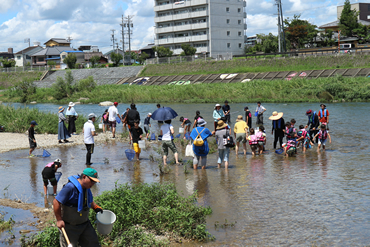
[25, 68]
[184, 59]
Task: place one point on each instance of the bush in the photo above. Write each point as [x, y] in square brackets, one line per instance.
[25, 90]
[49, 237]
[86, 84]
[64, 88]
[70, 60]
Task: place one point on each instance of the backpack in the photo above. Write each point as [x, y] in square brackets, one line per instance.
[198, 140]
[228, 140]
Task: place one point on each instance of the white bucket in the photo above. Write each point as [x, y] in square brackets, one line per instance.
[141, 144]
[50, 190]
[181, 130]
[100, 126]
[105, 221]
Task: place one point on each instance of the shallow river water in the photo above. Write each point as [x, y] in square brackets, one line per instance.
[312, 199]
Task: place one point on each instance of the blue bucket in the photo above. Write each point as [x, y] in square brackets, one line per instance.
[58, 175]
[256, 114]
[130, 154]
[152, 137]
[187, 136]
[279, 151]
[118, 120]
[178, 136]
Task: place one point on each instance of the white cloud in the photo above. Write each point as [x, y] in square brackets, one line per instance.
[5, 5]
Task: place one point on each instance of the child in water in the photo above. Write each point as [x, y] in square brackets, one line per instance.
[252, 138]
[323, 134]
[290, 148]
[261, 138]
[185, 123]
[303, 138]
[136, 135]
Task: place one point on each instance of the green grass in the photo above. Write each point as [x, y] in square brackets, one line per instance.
[143, 212]
[17, 120]
[6, 224]
[253, 65]
[12, 78]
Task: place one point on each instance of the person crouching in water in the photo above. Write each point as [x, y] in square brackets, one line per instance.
[290, 148]
[72, 206]
[323, 135]
[261, 138]
[136, 135]
[303, 138]
[185, 123]
[48, 174]
[252, 138]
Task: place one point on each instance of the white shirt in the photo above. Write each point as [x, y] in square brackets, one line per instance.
[260, 109]
[88, 127]
[166, 133]
[113, 111]
[71, 112]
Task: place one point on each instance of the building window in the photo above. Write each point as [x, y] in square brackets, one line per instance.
[40, 59]
[19, 57]
[240, 45]
[227, 9]
[239, 10]
[239, 34]
[228, 33]
[227, 21]
[228, 45]
[239, 22]
[63, 56]
[368, 17]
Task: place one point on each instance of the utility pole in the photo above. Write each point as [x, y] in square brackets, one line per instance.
[279, 25]
[281, 31]
[129, 25]
[282, 26]
[123, 40]
[112, 38]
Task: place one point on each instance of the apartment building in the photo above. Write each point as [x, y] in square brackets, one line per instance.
[214, 27]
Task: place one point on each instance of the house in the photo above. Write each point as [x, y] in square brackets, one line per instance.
[108, 54]
[79, 55]
[148, 50]
[49, 54]
[23, 57]
[89, 55]
[57, 42]
[7, 55]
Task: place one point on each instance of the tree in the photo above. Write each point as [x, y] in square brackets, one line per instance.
[143, 56]
[64, 88]
[116, 58]
[94, 60]
[51, 64]
[162, 51]
[348, 21]
[267, 44]
[328, 37]
[188, 50]
[70, 60]
[300, 32]
[7, 63]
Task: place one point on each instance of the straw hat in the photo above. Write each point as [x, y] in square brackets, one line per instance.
[221, 125]
[240, 118]
[276, 115]
[61, 108]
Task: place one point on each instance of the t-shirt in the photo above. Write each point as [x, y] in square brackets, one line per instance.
[204, 133]
[220, 138]
[166, 134]
[260, 109]
[69, 195]
[240, 127]
[113, 112]
[132, 115]
[48, 172]
[249, 116]
[88, 137]
[31, 133]
[226, 108]
[135, 133]
[323, 119]
[105, 119]
[147, 121]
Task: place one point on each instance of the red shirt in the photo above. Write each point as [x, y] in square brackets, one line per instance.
[322, 117]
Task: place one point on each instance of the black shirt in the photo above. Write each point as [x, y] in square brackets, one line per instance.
[278, 126]
[48, 172]
[249, 115]
[226, 108]
[147, 121]
[31, 133]
[315, 123]
[132, 115]
[135, 133]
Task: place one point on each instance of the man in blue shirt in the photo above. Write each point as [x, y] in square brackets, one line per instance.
[71, 209]
[200, 152]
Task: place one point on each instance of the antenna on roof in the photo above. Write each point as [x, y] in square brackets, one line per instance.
[69, 39]
[27, 40]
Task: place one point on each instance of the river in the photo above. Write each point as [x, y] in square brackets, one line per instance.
[312, 199]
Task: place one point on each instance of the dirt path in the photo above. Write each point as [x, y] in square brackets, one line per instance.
[15, 141]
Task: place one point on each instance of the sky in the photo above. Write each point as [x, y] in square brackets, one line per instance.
[89, 22]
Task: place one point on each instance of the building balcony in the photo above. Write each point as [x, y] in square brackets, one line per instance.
[181, 16]
[203, 25]
[199, 37]
[164, 41]
[181, 40]
[163, 18]
[163, 7]
[202, 49]
[182, 4]
[164, 30]
[199, 14]
[245, 26]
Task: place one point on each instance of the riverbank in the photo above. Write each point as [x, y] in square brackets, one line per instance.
[17, 141]
[258, 65]
[332, 89]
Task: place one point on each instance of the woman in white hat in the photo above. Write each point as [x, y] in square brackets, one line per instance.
[71, 118]
[278, 126]
[63, 133]
[218, 113]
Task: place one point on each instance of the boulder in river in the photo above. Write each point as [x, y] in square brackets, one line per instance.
[83, 99]
[33, 102]
[106, 103]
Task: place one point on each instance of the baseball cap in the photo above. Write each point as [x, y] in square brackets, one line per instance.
[34, 122]
[246, 108]
[309, 112]
[115, 103]
[91, 115]
[91, 173]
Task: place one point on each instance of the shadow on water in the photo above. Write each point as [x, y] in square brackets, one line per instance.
[317, 198]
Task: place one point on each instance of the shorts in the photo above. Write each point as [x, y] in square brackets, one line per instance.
[322, 142]
[259, 143]
[223, 154]
[32, 144]
[188, 124]
[306, 143]
[113, 124]
[240, 137]
[203, 160]
[146, 128]
[168, 144]
[136, 148]
[53, 181]
[254, 147]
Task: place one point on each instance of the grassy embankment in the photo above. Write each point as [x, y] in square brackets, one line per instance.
[17, 120]
[258, 65]
[297, 90]
[12, 78]
[147, 215]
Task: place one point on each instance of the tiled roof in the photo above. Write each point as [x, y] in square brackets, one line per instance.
[52, 51]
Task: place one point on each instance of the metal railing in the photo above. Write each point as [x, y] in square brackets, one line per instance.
[184, 59]
[25, 68]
